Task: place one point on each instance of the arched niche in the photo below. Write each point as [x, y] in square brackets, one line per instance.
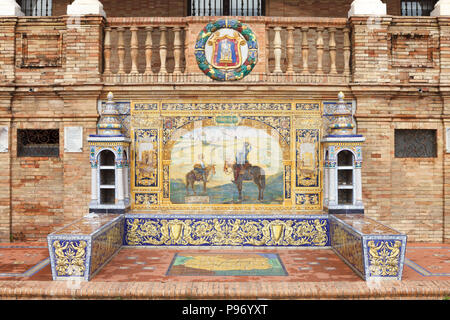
[107, 177]
[345, 177]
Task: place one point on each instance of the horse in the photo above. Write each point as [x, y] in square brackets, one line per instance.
[192, 176]
[250, 173]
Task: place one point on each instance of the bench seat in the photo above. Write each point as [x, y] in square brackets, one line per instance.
[371, 249]
[80, 249]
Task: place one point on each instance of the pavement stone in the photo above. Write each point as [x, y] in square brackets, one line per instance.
[136, 273]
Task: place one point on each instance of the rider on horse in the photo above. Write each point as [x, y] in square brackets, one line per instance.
[200, 168]
[242, 160]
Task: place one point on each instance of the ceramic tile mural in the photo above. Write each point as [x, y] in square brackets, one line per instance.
[222, 230]
[238, 155]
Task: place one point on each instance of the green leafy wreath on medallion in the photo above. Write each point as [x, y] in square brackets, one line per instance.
[231, 74]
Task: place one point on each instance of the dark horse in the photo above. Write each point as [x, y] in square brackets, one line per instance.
[194, 176]
[250, 173]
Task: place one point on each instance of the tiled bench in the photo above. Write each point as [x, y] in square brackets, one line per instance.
[82, 248]
[371, 249]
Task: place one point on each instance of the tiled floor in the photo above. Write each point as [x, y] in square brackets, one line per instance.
[139, 264]
[29, 261]
[141, 273]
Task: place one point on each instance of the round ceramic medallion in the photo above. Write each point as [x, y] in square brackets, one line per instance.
[226, 50]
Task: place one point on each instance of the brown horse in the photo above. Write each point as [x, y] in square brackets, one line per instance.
[250, 173]
[193, 176]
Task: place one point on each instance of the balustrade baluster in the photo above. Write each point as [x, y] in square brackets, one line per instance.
[121, 50]
[107, 51]
[148, 51]
[277, 49]
[290, 50]
[346, 51]
[177, 50]
[305, 50]
[134, 49]
[319, 45]
[332, 46]
[163, 50]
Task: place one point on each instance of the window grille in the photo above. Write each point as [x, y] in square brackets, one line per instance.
[37, 143]
[38, 8]
[418, 7]
[411, 143]
[226, 7]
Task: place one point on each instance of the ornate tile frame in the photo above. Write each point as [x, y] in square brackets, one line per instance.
[226, 230]
[303, 115]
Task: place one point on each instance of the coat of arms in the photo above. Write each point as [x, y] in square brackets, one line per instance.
[226, 50]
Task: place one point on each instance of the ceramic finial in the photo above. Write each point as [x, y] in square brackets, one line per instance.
[110, 96]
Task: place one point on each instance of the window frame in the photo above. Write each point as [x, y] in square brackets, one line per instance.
[30, 7]
[400, 153]
[430, 6]
[226, 6]
[37, 150]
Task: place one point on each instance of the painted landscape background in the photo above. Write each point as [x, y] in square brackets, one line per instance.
[217, 145]
[228, 193]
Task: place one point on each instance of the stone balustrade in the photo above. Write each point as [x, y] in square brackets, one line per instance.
[147, 50]
[141, 49]
[303, 50]
[308, 46]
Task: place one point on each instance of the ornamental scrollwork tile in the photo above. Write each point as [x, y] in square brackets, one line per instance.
[384, 257]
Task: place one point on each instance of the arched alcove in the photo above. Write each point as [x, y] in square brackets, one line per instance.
[345, 177]
[107, 177]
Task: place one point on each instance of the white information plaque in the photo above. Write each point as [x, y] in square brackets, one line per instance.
[73, 139]
[4, 146]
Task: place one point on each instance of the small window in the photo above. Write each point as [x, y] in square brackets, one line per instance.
[418, 7]
[411, 143]
[37, 143]
[37, 8]
[226, 7]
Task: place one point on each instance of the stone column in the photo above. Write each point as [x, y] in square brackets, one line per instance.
[119, 185]
[94, 185]
[10, 8]
[332, 190]
[84, 7]
[358, 185]
[441, 8]
[367, 7]
[326, 187]
[126, 169]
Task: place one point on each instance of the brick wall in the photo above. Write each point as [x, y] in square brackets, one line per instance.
[411, 195]
[39, 194]
[319, 8]
[178, 8]
[404, 193]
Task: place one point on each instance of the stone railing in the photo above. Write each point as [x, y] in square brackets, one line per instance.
[299, 50]
[143, 49]
[308, 49]
[146, 50]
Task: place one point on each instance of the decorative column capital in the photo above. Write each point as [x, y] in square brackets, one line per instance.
[10, 8]
[367, 8]
[83, 7]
